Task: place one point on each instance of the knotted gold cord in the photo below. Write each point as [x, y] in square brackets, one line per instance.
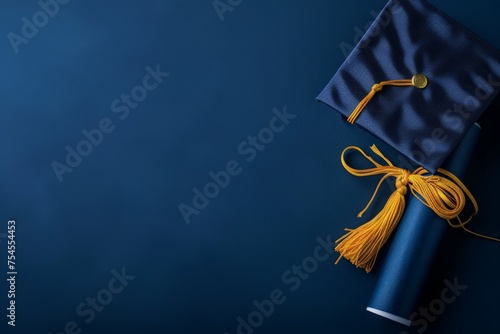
[444, 194]
[418, 80]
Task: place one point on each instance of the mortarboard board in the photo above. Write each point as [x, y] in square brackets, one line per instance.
[417, 79]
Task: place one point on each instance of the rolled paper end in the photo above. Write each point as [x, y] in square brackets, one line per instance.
[390, 316]
[408, 263]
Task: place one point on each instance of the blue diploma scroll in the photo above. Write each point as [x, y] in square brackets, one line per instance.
[414, 246]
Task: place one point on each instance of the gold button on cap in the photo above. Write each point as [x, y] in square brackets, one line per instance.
[419, 81]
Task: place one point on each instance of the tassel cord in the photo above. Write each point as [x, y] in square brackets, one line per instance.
[376, 88]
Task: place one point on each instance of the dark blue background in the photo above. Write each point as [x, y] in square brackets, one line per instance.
[119, 208]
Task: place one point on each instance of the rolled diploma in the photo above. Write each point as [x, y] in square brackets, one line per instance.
[414, 246]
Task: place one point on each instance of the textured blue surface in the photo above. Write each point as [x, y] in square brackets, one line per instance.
[119, 206]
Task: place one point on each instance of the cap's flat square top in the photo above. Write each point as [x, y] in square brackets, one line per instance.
[410, 37]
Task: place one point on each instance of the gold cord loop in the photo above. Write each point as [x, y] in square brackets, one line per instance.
[443, 193]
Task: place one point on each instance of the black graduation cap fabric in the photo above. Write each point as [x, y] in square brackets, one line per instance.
[417, 79]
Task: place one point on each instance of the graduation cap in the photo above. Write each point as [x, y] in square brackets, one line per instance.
[418, 80]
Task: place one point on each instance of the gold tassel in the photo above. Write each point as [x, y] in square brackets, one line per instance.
[361, 245]
[445, 195]
[418, 81]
